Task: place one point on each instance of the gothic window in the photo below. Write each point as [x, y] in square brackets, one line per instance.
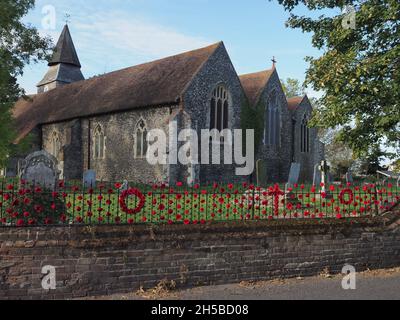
[305, 135]
[141, 139]
[272, 122]
[99, 143]
[219, 118]
[55, 144]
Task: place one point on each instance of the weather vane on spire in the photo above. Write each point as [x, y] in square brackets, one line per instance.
[274, 61]
[67, 17]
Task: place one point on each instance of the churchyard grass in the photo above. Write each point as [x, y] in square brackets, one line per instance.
[202, 205]
[212, 203]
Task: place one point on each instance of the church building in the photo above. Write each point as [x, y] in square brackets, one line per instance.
[101, 123]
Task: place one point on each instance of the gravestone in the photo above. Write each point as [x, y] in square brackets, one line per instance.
[317, 176]
[294, 174]
[89, 179]
[125, 185]
[40, 168]
[261, 168]
[349, 177]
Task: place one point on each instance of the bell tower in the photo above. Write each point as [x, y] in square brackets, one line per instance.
[64, 66]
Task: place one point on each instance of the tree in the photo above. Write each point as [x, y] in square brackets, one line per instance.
[339, 155]
[358, 71]
[369, 164]
[292, 88]
[20, 44]
[396, 166]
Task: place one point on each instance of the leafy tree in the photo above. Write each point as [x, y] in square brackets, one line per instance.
[20, 44]
[396, 166]
[370, 164]
[358, 71]
[292, 88]
[339, 155]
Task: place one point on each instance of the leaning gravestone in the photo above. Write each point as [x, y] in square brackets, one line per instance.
[262, 178]
[89, 179]
[40, 168]
[294, 174]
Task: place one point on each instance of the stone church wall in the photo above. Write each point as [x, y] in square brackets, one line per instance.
[277, 159]
[119, 163]
[307, 160]
[218, 70]
[70, 155]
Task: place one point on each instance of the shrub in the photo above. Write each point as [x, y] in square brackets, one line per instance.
[36, 206]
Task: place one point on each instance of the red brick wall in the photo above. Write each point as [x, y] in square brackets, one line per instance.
[119, 259]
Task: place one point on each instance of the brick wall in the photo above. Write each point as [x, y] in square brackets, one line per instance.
[112, 259]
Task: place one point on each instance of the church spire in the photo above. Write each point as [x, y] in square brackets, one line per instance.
[65, 50]
[64, 65]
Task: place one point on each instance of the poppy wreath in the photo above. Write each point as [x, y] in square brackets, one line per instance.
[349, 192]
[132, 192]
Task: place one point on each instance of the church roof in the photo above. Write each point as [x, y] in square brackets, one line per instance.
[254, 84]
[156, 83]
[65, 50]
[295, 102]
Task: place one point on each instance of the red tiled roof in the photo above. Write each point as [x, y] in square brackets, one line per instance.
[254, 83]
[295, 102]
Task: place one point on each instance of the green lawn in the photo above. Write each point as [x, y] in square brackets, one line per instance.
[200, 205]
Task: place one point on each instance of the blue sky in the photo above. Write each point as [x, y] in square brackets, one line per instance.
[113, 34]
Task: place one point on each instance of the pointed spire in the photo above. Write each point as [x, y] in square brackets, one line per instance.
[65, 50]
[64, 66]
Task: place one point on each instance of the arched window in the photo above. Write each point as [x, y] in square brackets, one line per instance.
[55, 144]
[141, 139]
[99, 143]
[219, 118]
[272, 122]
[305, 135]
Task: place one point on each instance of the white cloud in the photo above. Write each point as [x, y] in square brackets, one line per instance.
[136, 36]
[107, 41]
